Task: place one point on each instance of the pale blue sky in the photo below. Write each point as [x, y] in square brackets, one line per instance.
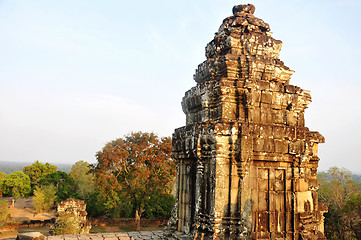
[77, 74]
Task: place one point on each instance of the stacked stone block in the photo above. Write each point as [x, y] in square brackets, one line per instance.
[247, 164]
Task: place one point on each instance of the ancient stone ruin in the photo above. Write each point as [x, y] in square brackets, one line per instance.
[71, 218]
[247, 164]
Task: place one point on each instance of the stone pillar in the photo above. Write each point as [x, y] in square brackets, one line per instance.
[247, 163]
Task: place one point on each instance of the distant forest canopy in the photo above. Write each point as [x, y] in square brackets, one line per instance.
[356, 177]
[10, 167]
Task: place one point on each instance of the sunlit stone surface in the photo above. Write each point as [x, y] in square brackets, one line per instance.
[247, 164]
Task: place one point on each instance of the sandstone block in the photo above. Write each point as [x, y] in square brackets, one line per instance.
[58, 237]
[281, 146]
[254, 114]
[30, 236]
[296, 148]
[279, 116]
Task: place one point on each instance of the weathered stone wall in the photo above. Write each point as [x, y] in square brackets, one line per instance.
[247, 164]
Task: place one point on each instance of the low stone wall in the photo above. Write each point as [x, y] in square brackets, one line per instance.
[127, 222]
[28, 224]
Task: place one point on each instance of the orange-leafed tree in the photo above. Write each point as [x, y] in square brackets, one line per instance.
[134, 169]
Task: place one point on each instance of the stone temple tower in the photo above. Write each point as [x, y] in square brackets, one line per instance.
[247, 164]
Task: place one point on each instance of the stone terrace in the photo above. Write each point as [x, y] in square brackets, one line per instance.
[94, 236]
[111, 236]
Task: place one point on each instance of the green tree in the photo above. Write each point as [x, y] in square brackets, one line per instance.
[159, 206]
[16, 185]
[65, 185]
[44, 198]
[38, 170]
[83, 178]
[3, 176]
[336, 189]
[95, 206]
[353, 210]
[134, 169]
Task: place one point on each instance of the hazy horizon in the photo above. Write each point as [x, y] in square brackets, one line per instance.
[78, 74]
[70, 164]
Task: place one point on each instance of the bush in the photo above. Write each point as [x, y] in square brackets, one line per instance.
[71, 218]
[4, 213]
[44, 198]
[67, 223]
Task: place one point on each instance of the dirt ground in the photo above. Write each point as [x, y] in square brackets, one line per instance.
[23, 211]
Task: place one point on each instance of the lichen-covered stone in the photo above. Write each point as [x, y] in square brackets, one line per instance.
[247, 165]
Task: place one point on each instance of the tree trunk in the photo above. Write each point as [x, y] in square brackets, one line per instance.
[137, 220]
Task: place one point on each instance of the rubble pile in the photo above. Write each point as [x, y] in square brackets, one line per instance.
[71, 218]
